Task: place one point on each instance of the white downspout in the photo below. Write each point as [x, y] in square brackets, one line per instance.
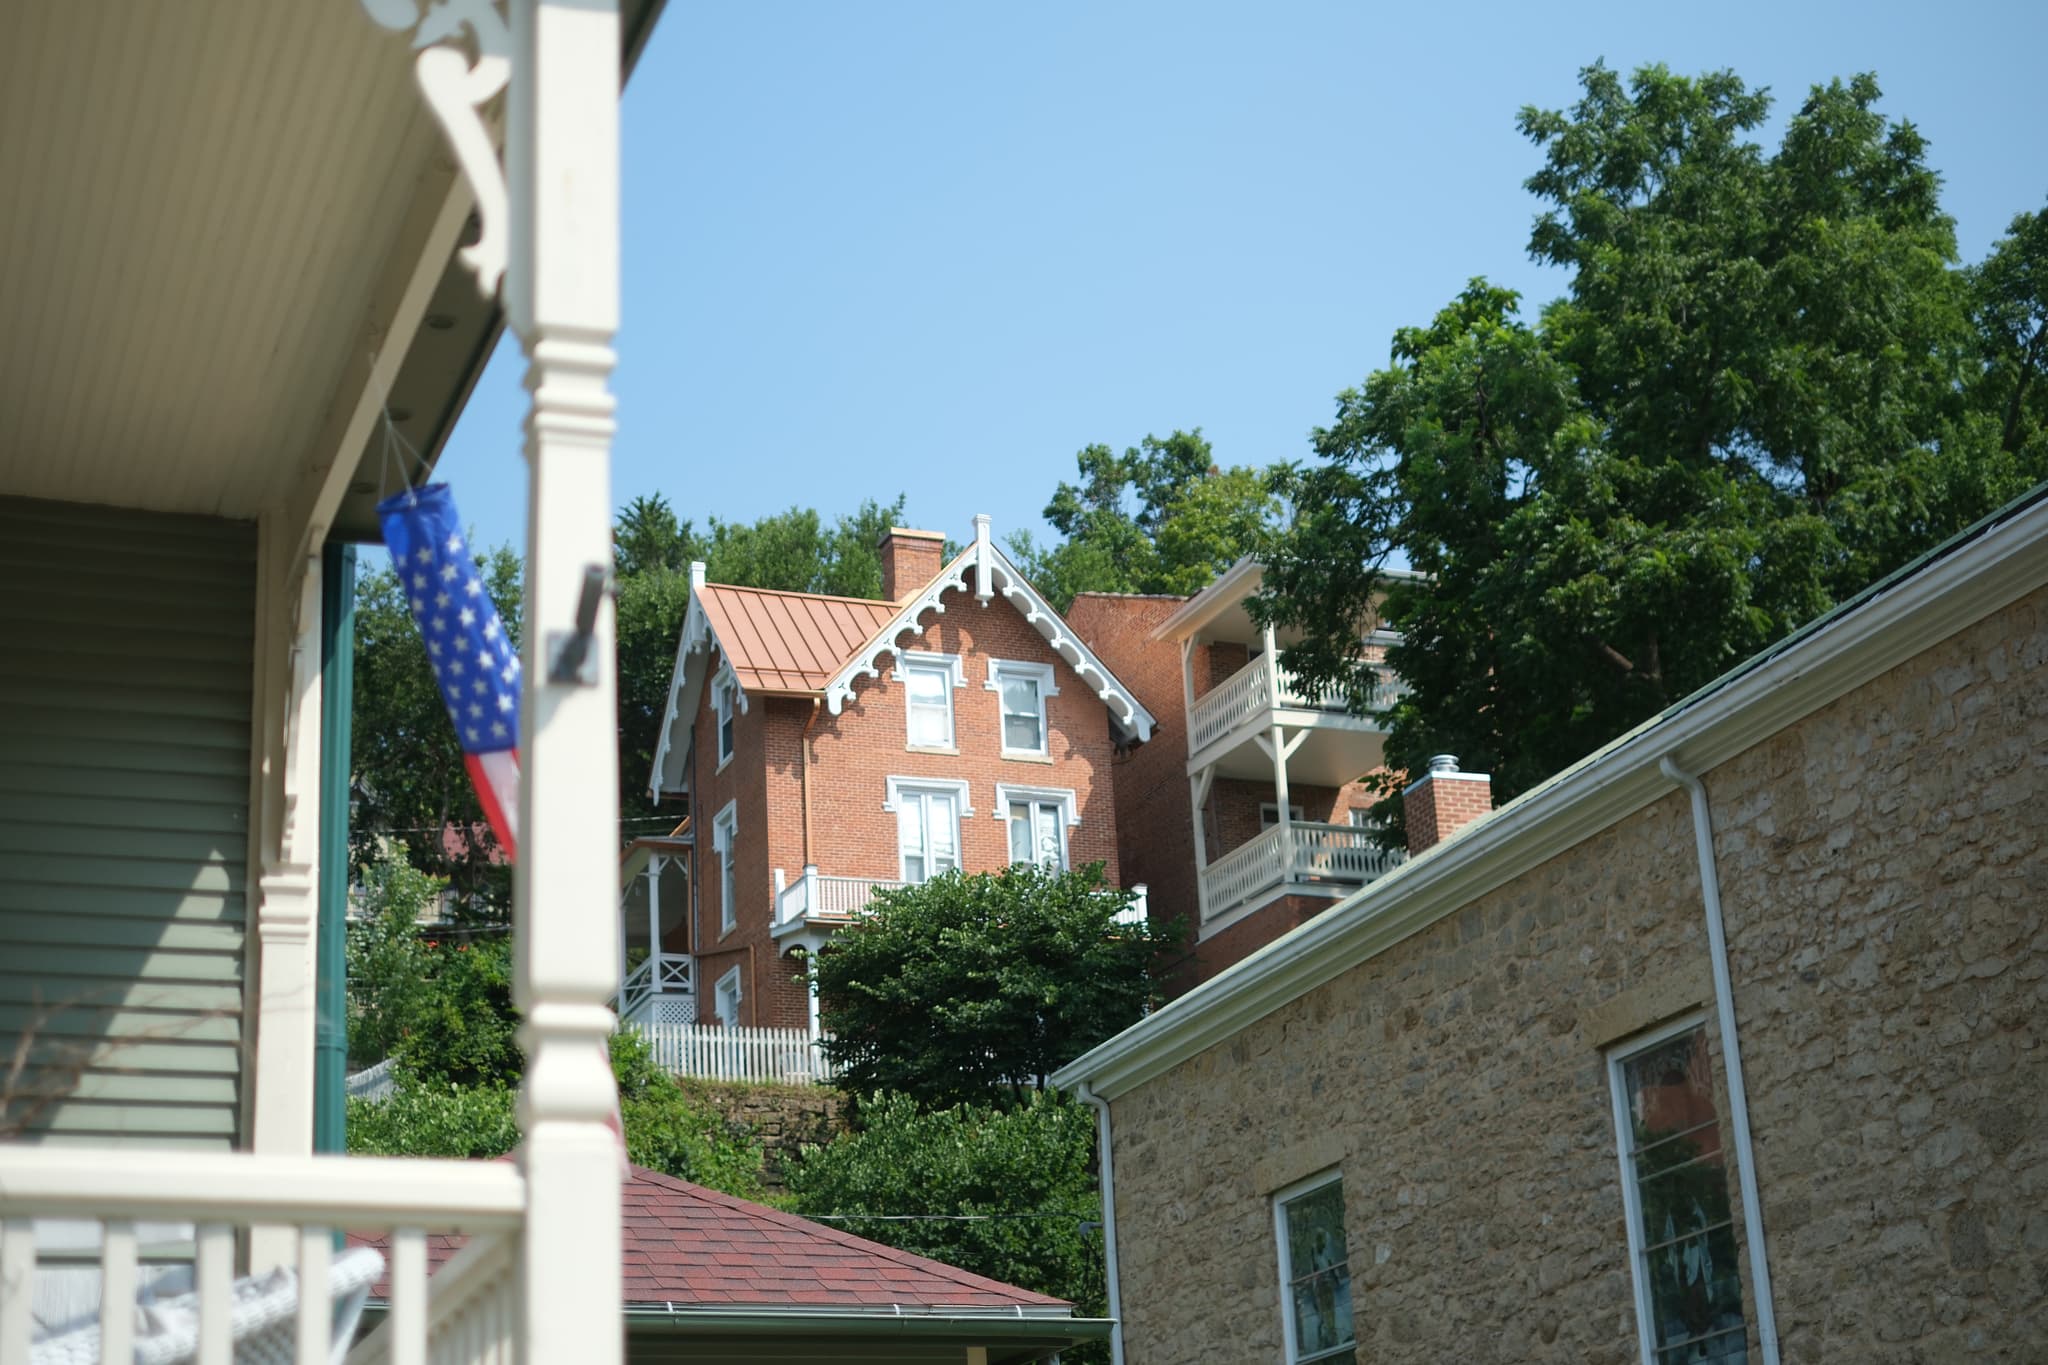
[1116, 1307]
[1731, 1057]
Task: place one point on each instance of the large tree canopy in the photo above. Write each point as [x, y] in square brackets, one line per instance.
[1766, 385]
[1162, 517]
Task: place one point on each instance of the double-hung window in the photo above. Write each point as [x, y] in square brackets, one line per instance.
[1037, 818]
[724, 831]
[1681, 1226]
[724, 700]
[1269, 813]
[927, 825]
[725, 999]
[1021, 690]
[928, 683]
[1315, 1272]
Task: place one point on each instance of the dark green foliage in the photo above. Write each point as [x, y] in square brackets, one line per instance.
[409, 784]
[437, 1007]
[428, 1114]
[977, 987]
[1765, 387]
[1024, 1176]
[1160, 518]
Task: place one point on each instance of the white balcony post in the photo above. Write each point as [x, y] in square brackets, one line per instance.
[562, 299]
[1198, 793]
[1280, 752]
[654, 916]
[810, 902]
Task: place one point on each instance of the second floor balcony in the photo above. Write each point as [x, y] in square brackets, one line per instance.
[1299, 858]
[1227, 722]
[810, 908]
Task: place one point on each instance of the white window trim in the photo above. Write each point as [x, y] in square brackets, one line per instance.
[1006, 792]
[1272, 809]
[720, 680]
[912, 658]
[1063, 797]
[729, 983]
[1631, 1198]
[897, 784]
[957, 787]
[1043, 673]
[1284, 1253]
[725, 829]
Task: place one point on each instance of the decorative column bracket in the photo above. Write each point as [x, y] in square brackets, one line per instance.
[457, 85]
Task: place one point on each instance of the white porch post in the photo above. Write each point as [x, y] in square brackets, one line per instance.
[1279, 750]
[562, 298]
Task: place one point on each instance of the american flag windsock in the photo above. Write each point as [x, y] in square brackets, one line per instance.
[475, 664]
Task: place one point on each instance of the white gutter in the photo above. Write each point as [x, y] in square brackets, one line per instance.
[1731, 1057]
[1116, 1305]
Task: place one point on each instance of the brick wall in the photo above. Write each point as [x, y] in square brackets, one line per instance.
[852, 756]
[1883, 869]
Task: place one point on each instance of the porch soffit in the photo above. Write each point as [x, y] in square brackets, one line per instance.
[200, 200]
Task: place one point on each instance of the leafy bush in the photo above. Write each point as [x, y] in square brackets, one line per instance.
[1016, 1188]
[440, 1009]
[976, 988]
[665, 1130]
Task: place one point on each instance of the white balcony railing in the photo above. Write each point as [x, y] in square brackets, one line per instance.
[1250, 692]
[813, 894]
[1301, 854]
[659, 974]
[282, 1209]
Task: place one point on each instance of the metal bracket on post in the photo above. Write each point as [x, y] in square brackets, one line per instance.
[570, 656]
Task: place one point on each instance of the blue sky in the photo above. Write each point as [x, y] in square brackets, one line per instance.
[936, 248]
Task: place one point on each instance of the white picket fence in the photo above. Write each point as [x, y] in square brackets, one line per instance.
[372, 1082]
[785, 1055]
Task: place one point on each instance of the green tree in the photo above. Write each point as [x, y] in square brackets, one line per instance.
[437, 1007]
[410, 785]
[648, 538]
[1162, 517]
[1754, 397]
[795, 551]
[1007, 1193]
[430, 1114]
[977, 987]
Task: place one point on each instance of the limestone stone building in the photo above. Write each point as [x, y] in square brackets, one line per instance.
[1723, 1045]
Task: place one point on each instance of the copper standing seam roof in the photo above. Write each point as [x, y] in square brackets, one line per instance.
[789, 641]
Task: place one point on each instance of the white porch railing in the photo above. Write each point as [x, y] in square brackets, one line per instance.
[782, 1055]
[372, 1082]
[1302, 853]
[834, 897]
[289, 1208]
[660, 974]
[1249, 692]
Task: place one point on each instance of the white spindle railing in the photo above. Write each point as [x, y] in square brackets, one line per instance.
[1247, 693]
[834, 897]
[658, 974]
[1310, 854]
[783, 1055]
[220, 1196]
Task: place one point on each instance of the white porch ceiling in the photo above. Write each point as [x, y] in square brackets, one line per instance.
[200, 198]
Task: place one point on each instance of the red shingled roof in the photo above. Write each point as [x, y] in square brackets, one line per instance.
[692, 1247]
[687, 1244]
[789, 641]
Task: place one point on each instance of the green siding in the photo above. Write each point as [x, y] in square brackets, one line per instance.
[126, 654]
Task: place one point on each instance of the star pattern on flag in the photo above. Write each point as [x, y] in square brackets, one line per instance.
[474, 662]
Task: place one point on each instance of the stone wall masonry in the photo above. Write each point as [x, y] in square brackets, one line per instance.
[783, 1117]
[1883, 870]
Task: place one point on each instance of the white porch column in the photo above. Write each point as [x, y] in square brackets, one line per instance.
[287, 837]
[1279, 750]
[562, 298]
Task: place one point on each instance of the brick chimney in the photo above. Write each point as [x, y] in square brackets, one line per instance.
[910, 559]
[1443, 801]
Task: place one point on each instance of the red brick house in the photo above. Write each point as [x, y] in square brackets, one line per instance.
[1245, 816]
[829, 746]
